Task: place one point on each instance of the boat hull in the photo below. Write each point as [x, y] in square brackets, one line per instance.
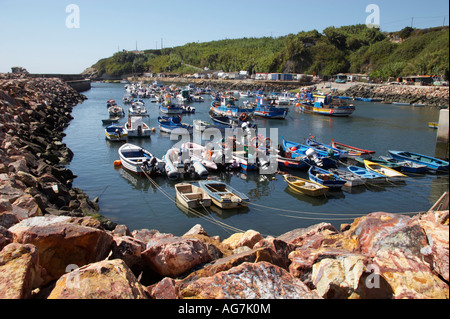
[335, 111]
[325, 178]
[306, 187]
[223, 195]
[391, 174]
[191, 196]
[433, 164]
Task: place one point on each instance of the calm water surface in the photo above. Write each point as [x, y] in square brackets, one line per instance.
[132, 200]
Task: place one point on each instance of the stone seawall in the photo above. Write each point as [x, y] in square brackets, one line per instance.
[51, 246]
[428, 95]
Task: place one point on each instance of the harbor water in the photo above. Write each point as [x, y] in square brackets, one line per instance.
[132, 200]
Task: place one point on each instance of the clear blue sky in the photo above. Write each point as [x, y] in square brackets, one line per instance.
[33, 33]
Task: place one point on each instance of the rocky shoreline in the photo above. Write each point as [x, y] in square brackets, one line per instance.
[54, 244]
[427, 95]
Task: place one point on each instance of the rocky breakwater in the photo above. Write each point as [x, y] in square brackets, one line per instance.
[428, 95]
[380, 255]
[33, 179]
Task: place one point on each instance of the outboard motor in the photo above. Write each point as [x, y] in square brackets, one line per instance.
[312, 155]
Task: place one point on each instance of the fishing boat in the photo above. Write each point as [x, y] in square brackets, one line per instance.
[406, 166]
[116, 110]
[401, 103]
[351, 180]
[352, 151]
[187, 109]
[266, 107]
[223, 195]
[391, 174]
[316, 157]
[330, 150]
[137, 108]
[174, 124]
[116, 133]
[224, 122]
[325, 105]
[369, 176]
[201, 126]
[283, 99]
[304, 186]
[138, 160]
[325, 177]
[227, 107]
[110, 103]
[434, 125]
[127, 99]
[136, 127]
[393, 165]
[208, 158]
[192, 196]
[171, 109]
[433, 164]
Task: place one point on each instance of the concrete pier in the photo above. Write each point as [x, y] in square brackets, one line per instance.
[442, 140]
[76, 81]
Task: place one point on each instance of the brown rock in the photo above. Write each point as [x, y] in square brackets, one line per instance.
[165, 289]
[108, 279]
[172, 256]
[19, 271]
[249, 239]
[61, 243]
[312, 236]
[250, 281]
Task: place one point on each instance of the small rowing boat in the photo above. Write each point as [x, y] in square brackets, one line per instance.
[369, 176]
[406, 166]
[192, 196]
[351, 180]
[433, 164]
[223, 195]
[304, 186]
[353, 151]
[325, 177]
[389, 173]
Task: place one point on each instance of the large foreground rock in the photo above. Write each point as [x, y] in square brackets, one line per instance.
[250, 281]
[110, 279]
[19, 271]
[61, 243]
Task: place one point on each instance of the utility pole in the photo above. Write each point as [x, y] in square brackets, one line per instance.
[412, 21]
[161, 43]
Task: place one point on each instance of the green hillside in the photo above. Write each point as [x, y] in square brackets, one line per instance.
[355, 49]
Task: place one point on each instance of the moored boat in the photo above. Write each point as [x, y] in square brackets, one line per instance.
[325, 105]
[223, 195]
[353, 151]
[116, 133]
[406, 166]
[325, 177]
[433, 164]
[267, 108]
[304, 186]
[201, 126]
[192, 196]
[316, 157]
[351, 180]
[136, 127]
[391, 174]
[331, 151]
[369, 176]
[138, 160]
[227, 107]
[174, 124]
[208, 158]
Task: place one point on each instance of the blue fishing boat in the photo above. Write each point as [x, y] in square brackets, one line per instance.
[326, 178]
[317, 157]
[116, 133]
[336, 153]
[228, 107]
[369, 176]
[406, 166]
[169, 124]
[432, 163]
[171, 109]
[224, 122]
[266, 107]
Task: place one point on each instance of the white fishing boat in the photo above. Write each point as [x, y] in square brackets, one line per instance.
[179, 164]
[136, 127]
[208, 158]
[192, 196]
[115, 110]
[138, 160]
